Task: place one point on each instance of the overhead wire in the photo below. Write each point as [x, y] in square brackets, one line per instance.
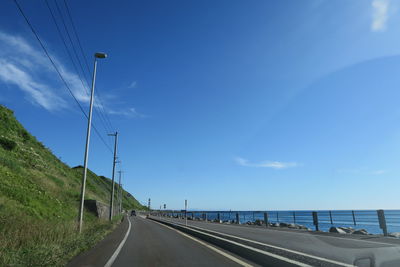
[86, 61]
[96, 110]
[58, 71]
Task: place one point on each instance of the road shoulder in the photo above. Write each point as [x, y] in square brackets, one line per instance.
[102, 251]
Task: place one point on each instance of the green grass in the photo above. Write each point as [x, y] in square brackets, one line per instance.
[39, 199]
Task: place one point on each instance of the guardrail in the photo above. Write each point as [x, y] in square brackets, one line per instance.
[373, 220]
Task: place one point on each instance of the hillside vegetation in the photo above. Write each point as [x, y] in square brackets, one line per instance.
[39, 199]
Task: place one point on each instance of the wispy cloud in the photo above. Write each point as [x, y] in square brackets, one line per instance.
[39, 92]
[266, 164]
[25, 66]
[130, 112]
[19, 64]
[380, 14]
[362, 171]
[133, 84]
[379, 172]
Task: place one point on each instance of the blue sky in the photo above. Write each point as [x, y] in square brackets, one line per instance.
[248, 105]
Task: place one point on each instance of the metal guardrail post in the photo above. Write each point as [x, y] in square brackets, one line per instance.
[294, 217]
[330, 216]
[266, 219]
[277, 216]
[315, 220]
[218, 216]
[237, 218]
[354, 217]
[382, 221]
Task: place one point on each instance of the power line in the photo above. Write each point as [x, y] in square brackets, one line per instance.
[56, 69]
[71, 58]
[69, 37]
[65, 44]
[98, 113]
[77, 37]
[86, 61]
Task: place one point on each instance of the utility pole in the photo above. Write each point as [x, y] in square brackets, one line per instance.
[113, 173]
[86, 158]
[148, 204]
[120, 192]
[186, 212]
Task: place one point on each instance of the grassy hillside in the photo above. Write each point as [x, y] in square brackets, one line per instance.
[39, 199]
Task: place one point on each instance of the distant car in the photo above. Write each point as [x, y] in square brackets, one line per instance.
[133, 213]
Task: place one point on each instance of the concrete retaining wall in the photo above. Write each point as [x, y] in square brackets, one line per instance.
[101, 210]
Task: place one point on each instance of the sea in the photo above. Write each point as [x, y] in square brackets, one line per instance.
[357, 219]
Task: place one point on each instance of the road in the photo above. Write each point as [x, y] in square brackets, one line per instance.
[144, 242]
[152, 244]
[346, 249]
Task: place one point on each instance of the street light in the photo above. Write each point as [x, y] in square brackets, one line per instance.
[100, 55]
[83, 186]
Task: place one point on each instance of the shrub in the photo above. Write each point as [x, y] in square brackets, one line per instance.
[24, 134]
[7, 144]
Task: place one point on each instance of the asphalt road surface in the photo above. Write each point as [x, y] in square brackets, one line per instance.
[341, 248]
[152, 244]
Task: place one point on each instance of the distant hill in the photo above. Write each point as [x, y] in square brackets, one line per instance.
[39, 191]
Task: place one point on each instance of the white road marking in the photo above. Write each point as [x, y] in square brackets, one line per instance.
[116, 252]
[321, 236]
[238, 261]
[276, 247]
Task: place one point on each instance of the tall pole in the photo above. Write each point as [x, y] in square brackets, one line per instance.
[113, 174]
[186, 212]
[83, 186]
[120, 193]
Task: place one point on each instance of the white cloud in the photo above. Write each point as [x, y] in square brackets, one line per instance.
[379, 172]
[39, 92]
[380, 10]
[266, 164]
[26, 67]
[130, 112]
[133, 84]
[362, 171]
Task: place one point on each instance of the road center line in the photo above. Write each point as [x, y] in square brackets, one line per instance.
[116, 252]
[238, 261]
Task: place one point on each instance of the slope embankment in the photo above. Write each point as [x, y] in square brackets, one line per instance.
[39, 199]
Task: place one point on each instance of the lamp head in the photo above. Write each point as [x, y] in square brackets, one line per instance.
[100, 55]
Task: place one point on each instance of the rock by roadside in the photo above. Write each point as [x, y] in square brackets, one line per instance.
[348, 230]
[395, 234]
[337, 230]
[360, 232]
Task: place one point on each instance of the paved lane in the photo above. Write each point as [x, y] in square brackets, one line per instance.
[333, 247]
[152, 244]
